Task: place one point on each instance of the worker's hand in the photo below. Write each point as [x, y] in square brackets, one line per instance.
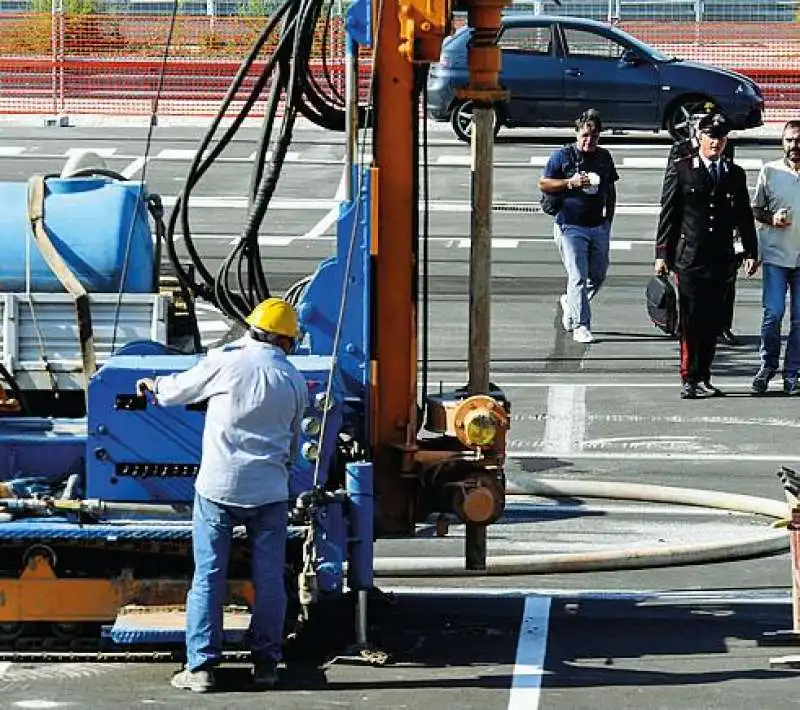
[750, 266]
[144, 385]
[782, 218]
[578, 181]
[660, 267]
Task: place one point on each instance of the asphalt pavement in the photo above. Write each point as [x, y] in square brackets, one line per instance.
[687, 636]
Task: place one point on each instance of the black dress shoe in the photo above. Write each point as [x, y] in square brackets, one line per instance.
[689, 391]
[727, 337]
[709, 390]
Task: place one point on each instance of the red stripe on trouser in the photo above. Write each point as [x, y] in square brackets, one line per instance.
[698, 333]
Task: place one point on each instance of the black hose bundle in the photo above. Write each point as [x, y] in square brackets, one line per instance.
[240, 282]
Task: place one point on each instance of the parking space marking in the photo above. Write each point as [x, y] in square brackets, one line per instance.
[526, 683]
[8, 151]
[134, 167]
[176, 154]
[565, 426]
[644, 163]
[99, 150]
[454, 160]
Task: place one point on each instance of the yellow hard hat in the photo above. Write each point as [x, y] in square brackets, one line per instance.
[274, 316]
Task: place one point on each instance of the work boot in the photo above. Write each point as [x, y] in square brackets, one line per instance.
[199, 681]
[761, 380]
[265, 673]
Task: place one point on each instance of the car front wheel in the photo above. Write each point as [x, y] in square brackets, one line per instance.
[461, 121]
[678, 119]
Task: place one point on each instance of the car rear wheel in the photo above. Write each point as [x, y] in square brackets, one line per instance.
[678, 119]
[461, 120]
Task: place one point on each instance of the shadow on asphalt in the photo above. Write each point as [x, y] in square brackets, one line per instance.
[439, 642]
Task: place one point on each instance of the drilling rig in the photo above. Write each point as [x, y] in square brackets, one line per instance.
[97, 483]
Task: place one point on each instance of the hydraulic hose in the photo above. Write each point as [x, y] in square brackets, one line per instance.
[767, 543]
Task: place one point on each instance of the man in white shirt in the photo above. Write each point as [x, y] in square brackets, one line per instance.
[256, 399]
[775, 207]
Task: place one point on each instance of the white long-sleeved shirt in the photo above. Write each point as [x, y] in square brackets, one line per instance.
[778, 187]
[256, 399]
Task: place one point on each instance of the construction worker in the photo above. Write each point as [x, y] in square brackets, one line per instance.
[256, 399]
[704, 201]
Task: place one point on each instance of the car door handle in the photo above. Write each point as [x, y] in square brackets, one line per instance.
[573, 72]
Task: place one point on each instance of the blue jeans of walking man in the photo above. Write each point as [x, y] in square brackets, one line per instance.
[585, 254]
[212, 535]
[777, 280]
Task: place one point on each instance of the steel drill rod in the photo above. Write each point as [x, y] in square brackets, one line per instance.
[89, 506]
[480, 257]
[351, 90]
[480, 293]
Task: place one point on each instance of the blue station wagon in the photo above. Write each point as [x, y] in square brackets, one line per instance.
[555, 67]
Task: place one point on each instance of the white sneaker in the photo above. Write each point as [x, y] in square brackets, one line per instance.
[566, 319]
[582, 334]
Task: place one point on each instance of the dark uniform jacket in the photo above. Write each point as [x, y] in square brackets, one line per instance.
[698, 219]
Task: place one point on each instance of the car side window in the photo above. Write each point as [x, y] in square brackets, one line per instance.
[582, 43]
[532, 40]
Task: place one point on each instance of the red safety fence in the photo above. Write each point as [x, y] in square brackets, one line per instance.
[110, 64]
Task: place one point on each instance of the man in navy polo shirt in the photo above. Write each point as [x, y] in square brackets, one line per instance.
[583, 176]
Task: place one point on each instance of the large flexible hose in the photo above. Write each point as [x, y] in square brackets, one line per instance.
[767, 543]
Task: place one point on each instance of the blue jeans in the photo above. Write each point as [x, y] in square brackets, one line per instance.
[212, 534]
[584, 252]
[776, 280]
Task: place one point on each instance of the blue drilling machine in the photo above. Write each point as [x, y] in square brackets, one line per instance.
[96, 483]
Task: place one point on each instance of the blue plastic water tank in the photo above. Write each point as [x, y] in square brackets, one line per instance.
[95, 223]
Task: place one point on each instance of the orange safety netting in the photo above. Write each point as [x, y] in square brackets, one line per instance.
[110, 64]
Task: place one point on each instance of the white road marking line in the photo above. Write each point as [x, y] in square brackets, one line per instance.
[539, 161]
[661, 163]
[102, 152]
[4, 668]
[267, 241]
[8, 151]
[526, 683]
[303, 205]
[671, 384]
[622, 245]
[454, 160]
[565, 426]
[750, 163]
[330, 218]
[645, 163]
[231, 202]
[497, 243]
[176, 154]
[449, 242]
[132, 168]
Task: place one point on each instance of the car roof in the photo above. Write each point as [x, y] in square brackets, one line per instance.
[516, 19]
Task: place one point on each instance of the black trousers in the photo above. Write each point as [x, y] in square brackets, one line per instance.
[730, 298]
[701, 305]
